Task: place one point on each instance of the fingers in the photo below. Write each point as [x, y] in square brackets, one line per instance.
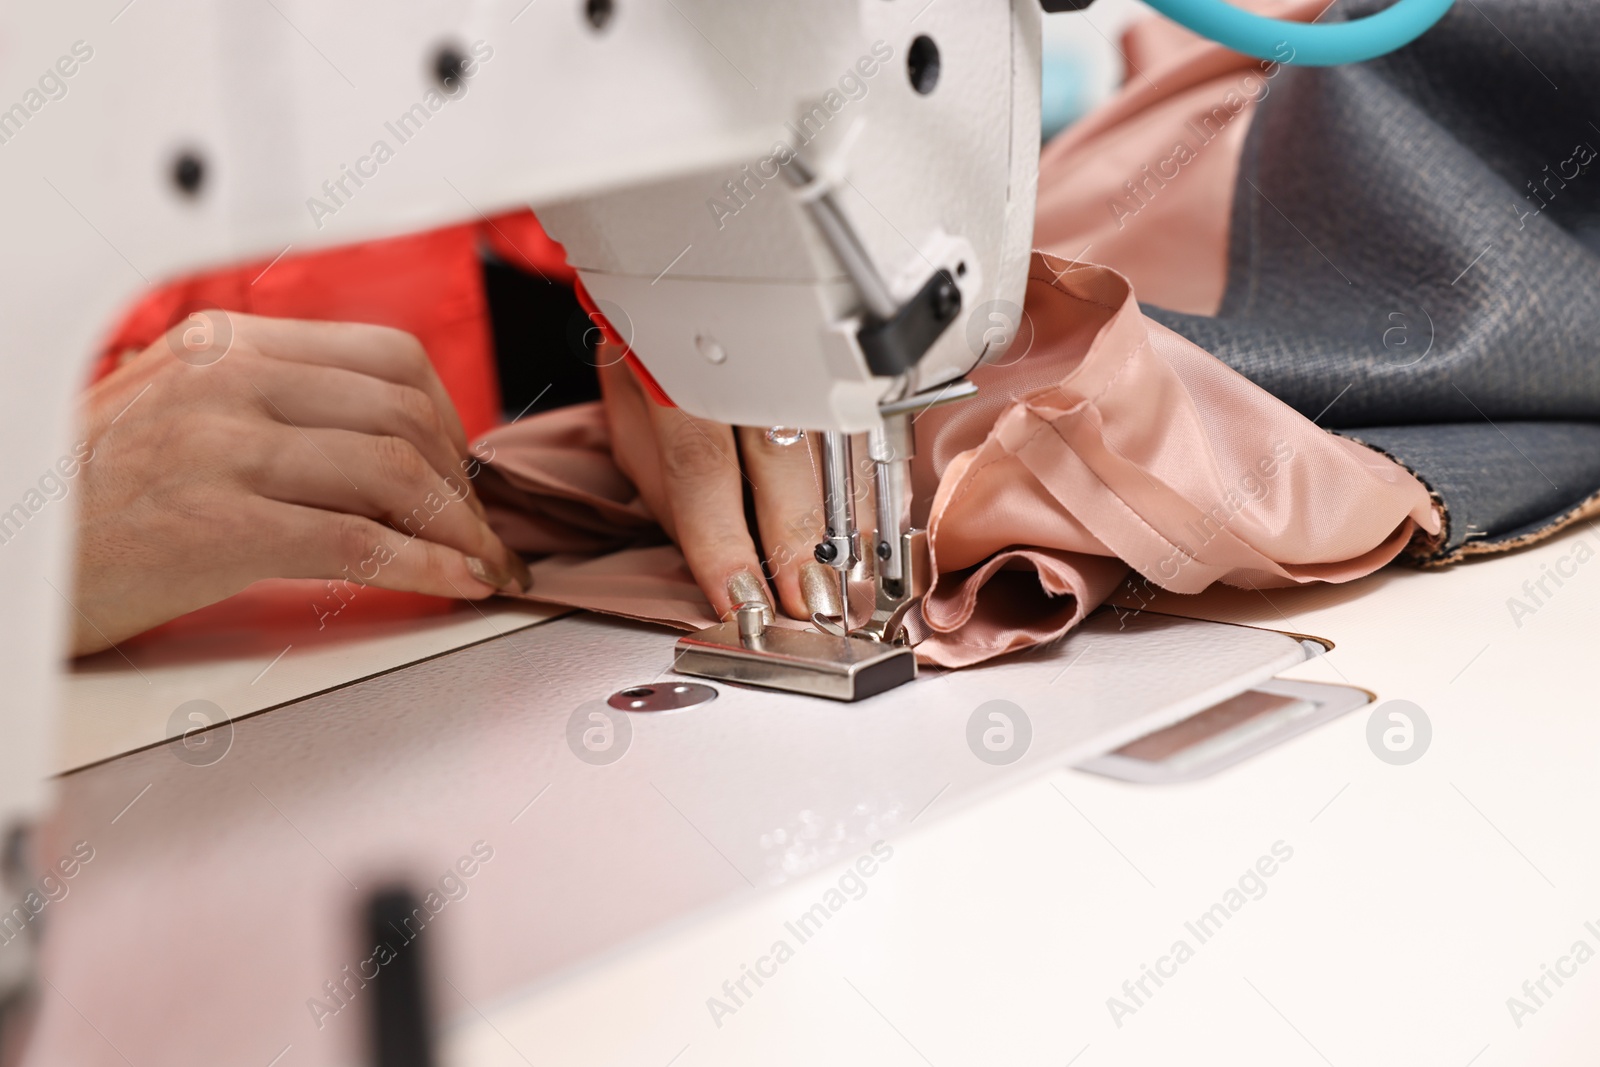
[704, 487]
[380, 478]
[687, 471]
[314, 397]
[377, 351]
[633, 436]
[788, 500]
[312, 543]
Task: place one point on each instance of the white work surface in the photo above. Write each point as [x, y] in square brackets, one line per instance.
[1417, 900]
[276, 643]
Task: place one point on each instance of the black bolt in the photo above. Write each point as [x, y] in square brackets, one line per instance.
[883, 550]
[946, 299]
[826, 551]
[188, 173]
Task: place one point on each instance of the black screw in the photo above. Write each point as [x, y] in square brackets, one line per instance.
[599, 13]
[826, 551]
[449, 67]
[188, 173]
[922, 63]
[883, 550]
[946, 299]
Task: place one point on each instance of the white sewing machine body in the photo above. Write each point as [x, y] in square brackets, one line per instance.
[630, 121]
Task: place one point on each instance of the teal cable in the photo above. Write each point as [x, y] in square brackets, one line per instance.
[1304, 43]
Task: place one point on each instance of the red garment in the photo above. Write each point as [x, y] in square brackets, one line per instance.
[428, 284]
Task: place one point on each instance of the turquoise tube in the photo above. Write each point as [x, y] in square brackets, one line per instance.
[1304, 43]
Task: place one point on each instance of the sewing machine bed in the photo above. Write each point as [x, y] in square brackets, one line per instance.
[266, 854]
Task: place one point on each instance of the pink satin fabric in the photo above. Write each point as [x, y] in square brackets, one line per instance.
[1100, 442]
[1144, 185]
[1114, 437]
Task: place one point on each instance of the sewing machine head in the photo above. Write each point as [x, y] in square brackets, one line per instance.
[825, 285]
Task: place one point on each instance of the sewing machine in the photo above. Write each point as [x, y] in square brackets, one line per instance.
[787, 210]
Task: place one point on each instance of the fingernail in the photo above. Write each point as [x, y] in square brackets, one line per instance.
[520, 574]
[486, 573]
[744, 587]
[819, 586]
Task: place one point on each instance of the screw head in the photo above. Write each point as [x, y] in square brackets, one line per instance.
[825, 552]
[884, 550]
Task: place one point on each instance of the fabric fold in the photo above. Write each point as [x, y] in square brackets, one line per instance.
[1107, 442]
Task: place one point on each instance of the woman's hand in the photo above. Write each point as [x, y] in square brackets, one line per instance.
[239, 448]
[693, 476]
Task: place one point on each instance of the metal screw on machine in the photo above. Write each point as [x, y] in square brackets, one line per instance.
[662, 696]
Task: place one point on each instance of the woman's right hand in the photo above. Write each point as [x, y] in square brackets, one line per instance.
[239, 448]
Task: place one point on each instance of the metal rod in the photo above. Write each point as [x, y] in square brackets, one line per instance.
[840, 547]
[890, 446]
[829, 217]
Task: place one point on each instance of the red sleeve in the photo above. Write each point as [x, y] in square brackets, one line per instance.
[428, 284]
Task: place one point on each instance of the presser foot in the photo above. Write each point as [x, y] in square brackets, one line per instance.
[895, 599]
[795, 661]
[825, 662]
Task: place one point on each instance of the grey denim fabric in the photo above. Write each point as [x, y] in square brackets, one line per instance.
[1415, 260]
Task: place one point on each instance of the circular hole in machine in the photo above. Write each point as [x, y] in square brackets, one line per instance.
[922, 63]
[188, 173]
[449, 67]
[599, 12]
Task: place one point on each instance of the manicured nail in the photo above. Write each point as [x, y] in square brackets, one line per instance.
[521, 576]
[486, 573]
[744, 587]
[819, 587]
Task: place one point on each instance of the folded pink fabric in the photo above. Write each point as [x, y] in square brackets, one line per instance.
[1115, 437]
[1103, 441]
